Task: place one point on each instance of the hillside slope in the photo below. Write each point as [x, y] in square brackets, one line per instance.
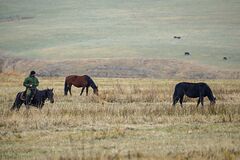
[138, 68]
[76, 29]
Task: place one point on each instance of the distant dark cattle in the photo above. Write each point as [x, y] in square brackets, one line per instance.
[225, 58]
[177, 37]
[187, 54]
[192, 90]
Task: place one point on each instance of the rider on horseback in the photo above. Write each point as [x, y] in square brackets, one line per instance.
[31, 83]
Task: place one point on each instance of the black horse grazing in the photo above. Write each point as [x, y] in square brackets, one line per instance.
[79, 81]
[38, 100]
[193, 90]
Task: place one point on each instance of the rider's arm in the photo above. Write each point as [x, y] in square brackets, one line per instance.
[26, 82]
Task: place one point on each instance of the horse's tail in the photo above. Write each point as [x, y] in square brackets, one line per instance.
[16, 102]
[175, 95]
[65, 87]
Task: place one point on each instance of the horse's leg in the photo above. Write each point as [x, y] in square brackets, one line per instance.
[201, 100]
[198, 102]
[66, 88]
[181, 100]
[82, 91]
[40, 105]
[66, 91]
[70, 89]
[201, 97]
[13, 106]
[27, 106]
[86, 91]
[19, 105]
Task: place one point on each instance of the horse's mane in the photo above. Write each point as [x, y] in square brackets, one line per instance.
[211, 97]
[91, 82]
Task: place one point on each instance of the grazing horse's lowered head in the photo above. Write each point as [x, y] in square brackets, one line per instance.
[95, 90]
[211, 98]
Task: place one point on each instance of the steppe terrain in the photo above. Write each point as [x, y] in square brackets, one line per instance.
[130, 119]
[129, 49]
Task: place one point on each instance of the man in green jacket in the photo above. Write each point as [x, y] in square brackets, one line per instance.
[31, 83]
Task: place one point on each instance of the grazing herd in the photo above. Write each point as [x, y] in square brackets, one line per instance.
[192, 90]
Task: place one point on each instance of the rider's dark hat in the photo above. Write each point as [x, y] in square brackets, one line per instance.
[32, 72]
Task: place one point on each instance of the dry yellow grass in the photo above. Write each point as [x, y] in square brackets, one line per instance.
[131, 119]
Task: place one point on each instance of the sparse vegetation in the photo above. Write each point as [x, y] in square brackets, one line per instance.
[131, 119]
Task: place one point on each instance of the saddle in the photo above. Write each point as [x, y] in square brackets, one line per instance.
[23, 95]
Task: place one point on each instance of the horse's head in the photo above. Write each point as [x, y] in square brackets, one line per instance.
[213, 101]
[95, 90]
[50, 95]
[211, 97]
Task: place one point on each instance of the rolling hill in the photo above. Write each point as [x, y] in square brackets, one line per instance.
[120, 68]
[107, 31]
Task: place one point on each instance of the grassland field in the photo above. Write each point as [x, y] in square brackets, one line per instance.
[130, 119]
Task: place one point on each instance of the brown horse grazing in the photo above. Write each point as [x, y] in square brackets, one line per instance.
[79, 81]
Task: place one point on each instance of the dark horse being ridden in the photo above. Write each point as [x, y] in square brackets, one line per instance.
[193, 90]
[79, 81]
[38, 100]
